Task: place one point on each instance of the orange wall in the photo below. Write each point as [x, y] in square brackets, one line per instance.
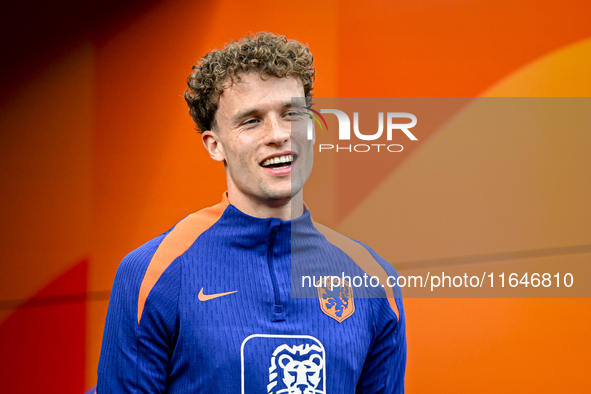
[99, 155]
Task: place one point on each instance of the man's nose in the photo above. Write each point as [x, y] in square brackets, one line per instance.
[278, 131]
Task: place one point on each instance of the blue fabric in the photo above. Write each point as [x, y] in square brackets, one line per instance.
[259, 339]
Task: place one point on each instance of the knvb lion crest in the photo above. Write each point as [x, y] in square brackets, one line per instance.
[336, 297]
[297, 370]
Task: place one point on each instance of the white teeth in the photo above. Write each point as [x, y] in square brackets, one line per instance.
[277, 160]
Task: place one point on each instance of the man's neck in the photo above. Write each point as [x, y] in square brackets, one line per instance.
[285, 209]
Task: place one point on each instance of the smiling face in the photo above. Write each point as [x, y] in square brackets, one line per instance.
[262, 141]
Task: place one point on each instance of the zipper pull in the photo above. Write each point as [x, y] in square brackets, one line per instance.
[273, 235]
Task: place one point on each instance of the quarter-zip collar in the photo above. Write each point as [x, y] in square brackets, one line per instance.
[271, 240]
[252, 231]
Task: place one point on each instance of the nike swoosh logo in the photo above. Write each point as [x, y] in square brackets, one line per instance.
[207, 297]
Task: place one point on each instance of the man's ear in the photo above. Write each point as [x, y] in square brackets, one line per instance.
[211, 141]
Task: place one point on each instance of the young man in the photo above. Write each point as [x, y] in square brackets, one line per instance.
[207, 307]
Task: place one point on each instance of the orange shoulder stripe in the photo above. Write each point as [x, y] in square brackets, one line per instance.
[182, 236]
[361, 256]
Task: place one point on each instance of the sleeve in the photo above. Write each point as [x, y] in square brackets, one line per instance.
[385, 365]
[135, 358]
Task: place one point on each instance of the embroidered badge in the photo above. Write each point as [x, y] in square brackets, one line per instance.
[336, 297]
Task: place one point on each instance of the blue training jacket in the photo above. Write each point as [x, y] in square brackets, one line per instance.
[210, 307]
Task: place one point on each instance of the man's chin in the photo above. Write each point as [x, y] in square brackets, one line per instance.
[277, 197]
[280, 196]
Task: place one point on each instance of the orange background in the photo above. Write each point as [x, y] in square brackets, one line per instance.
[99, 155]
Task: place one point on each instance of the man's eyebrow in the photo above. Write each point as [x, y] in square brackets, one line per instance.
[245, 113]
[251, 111]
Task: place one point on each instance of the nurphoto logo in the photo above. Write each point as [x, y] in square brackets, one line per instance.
[344, 133]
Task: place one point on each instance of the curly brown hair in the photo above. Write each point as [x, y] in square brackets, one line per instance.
[271, 55]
